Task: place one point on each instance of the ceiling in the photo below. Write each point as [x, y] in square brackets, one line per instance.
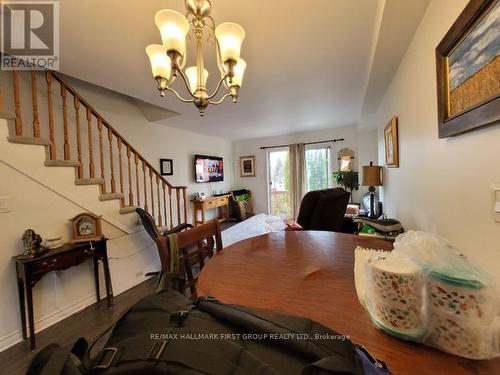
[309, 62]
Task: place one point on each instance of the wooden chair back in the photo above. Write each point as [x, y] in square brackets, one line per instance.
[196, 246]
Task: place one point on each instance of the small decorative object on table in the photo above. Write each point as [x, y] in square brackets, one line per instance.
[32, 243]
[53, 242]
[86, 227]
[166, 167]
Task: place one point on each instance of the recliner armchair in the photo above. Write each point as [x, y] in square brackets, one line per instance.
[323, 209]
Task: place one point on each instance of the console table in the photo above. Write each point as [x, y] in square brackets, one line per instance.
[31, 269]
[221, 201]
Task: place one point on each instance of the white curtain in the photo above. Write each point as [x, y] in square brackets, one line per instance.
[297, 177]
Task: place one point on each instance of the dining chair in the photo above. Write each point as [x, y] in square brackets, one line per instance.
[194, 247]
[150, 226]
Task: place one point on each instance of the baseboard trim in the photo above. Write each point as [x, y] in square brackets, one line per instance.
[45, 322]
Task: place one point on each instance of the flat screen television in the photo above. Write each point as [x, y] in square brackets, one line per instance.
[208, 168]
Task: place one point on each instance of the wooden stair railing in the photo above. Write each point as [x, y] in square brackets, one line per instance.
[129, 189]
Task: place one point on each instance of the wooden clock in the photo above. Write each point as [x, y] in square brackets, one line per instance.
[86, 227]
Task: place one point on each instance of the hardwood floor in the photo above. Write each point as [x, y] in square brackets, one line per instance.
[89, 323]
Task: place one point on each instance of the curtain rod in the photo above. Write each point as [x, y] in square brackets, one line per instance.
[306, 143]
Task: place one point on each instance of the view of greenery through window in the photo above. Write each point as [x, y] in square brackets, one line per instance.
[317, 162]
[279, 178]
[317, 168]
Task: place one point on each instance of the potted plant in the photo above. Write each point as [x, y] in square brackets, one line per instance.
[348, 179]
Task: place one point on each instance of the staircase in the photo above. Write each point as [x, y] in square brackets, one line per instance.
[48, 112]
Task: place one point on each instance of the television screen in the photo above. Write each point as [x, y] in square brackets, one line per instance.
[208, 168]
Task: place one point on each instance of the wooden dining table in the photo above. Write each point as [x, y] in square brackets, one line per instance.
[311, 274]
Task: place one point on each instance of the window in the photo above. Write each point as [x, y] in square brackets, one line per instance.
[318, 170]
[279, 187]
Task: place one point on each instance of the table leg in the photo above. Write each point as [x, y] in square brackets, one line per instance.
[31, 320]
[203, 215]
[95, 262]
[22, 301]
[195, 215]
[107, 278]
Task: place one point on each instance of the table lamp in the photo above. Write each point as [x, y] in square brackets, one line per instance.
[372, 178]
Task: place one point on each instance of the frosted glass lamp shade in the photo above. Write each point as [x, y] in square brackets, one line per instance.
[192, 74]
[239, 71]
[173, 29]
[160, 62]
[229, 36]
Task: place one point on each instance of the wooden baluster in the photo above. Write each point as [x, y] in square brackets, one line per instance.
[111, 160]
[170, 205]
[184, 198]
[91, 149]
[101, 152]
[48, 79]
[120, 167]
[152, 194]
[17, 103]
[160, 223]
[145, 186]
[164, 204]
[178, 196]
[136, 160]
[67, 154]
[76, 101]
[34, 99]
[130, 194]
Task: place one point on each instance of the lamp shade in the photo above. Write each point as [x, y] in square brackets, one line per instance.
[192, 74]
[160, 62]
[239, 71]
[230, 37]
[173, 29]
[372, 175]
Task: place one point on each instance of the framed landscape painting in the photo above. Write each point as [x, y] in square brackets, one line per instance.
[468, 70]
[391, 143]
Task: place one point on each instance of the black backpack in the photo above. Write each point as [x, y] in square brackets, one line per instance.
[166, 333]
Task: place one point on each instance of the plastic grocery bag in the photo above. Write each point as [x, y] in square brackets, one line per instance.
[426, 291]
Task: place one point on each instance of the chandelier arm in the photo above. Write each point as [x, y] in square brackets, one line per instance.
[186, 83]
[218, 87]
[180, 97]
[221, 99]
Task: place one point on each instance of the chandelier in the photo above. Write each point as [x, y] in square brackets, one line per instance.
[168, 59]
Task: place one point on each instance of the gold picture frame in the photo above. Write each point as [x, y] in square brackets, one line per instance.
[467, 64]
[247, 166]
[391, 143]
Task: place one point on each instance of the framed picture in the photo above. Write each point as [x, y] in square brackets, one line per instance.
[247, 166]
[166, 167]
[467, 65]
[391, 143]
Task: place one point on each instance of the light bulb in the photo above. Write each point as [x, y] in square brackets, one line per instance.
[192, 74]
[229, 36]
[160, 62]
[239, 71]
[173, 29]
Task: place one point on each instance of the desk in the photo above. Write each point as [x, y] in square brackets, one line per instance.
[30, 270]
[221, 201]
[310, 274]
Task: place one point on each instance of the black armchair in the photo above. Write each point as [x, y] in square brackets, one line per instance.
[323, 209]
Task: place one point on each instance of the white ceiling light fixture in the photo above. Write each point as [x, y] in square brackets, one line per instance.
[168, 60]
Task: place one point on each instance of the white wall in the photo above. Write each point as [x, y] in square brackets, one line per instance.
[33, 205]
[442, 185]
[364, 146]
